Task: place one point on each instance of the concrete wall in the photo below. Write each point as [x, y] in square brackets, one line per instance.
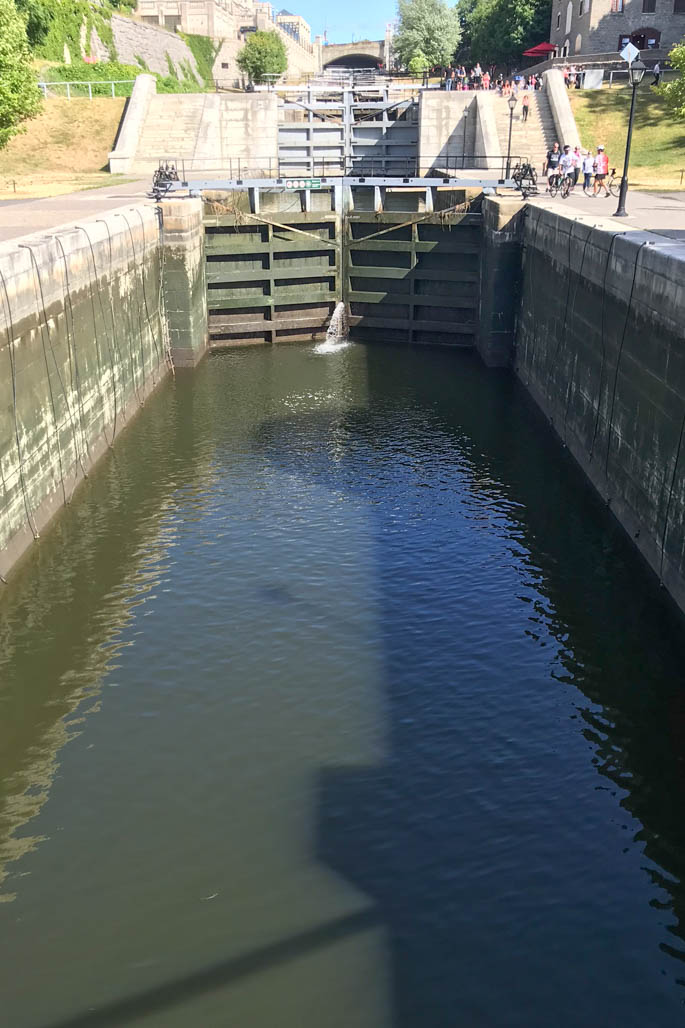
[82, 345]
[91, 318]
[560, 106]
[236, 133]
[132, 39]
[601, 348]
[447, 128]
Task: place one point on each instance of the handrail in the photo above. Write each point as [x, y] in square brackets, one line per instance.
[44, 86]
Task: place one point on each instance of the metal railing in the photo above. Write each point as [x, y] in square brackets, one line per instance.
[101, 87]
[268, 167]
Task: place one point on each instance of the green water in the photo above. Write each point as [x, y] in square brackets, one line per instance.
[336, 699]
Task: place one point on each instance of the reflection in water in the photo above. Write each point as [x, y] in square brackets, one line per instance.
[389, 721]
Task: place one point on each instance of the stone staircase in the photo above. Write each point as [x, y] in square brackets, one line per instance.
[530, 139]
[170, 130]
[233, 133]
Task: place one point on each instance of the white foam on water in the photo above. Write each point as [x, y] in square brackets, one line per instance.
[332, 346]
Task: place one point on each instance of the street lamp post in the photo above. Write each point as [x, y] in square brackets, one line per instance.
[512, 104]
[636, 72]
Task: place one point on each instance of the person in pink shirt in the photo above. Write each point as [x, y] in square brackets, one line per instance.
[601, 171]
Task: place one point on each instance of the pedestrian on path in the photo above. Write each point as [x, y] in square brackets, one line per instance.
[657, 73]
[601, 171]
[588, 170]
[577, 164]
[525, 104]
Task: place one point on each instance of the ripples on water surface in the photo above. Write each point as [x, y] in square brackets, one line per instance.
[337, 701]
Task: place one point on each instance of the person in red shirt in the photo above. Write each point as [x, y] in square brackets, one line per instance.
[601, 171]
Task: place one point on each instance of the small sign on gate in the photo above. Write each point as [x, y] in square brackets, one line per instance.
[303, 183]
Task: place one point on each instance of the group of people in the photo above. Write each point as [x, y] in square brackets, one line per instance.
[569, 163]
[458, 78]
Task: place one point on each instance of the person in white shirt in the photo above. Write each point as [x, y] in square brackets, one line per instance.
[588, 169]
[566, 163]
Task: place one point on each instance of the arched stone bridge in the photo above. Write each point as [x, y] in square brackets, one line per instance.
[368, 53]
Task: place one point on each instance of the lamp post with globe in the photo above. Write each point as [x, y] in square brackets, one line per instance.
[636, 73]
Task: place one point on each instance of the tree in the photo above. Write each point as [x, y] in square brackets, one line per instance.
[429, 27]
[464, 12]
[264, 54]
[38, 17]
[418, 64]
[501, 30]
[19, 93]
[674, 92]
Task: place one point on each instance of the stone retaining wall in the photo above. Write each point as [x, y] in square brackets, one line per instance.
[601, 348]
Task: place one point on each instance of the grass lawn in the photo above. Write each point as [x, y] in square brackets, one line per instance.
[65, 148]
[658, 149]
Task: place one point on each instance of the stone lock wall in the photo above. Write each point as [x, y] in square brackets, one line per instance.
[85, 336]
[601, 348]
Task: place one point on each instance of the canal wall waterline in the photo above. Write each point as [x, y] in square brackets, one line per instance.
[600, 346]
[84, 340]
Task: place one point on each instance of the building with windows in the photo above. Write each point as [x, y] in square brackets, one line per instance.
[605, 26]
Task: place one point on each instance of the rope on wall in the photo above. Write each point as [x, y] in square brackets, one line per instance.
[153, 334]
[602, 337]
[620, 354]
[120, 359]
[560, 333]
[140, 314]
[670, 497]
[569, 321]
[71, 344]
[43, 328]
[96, 279]
[141, 266]
[45, 322]
[534, 251]
[11, 341]
[161, 299]
[97, 343]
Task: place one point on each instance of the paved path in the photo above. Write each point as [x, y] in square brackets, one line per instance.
[662, 213]
[24, 217]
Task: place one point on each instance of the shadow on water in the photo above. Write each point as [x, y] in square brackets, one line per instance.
[170, 994]
[464, 838]
[420, 835]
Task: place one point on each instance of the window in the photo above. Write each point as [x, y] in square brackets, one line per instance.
[569, 16]
[581, 8]
[648, 6]
[679, 6]
[558, 21]
[617, 6]
[578, 43]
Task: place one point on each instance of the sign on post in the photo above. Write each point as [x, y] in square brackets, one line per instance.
[629, 53]
[303, 183]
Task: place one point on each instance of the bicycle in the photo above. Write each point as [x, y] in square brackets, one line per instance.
[165, 174]
[525, 177]
[554, 182]
[567, 185]
[614, 183]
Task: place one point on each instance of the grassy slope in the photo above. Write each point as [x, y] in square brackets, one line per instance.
[658, 148]
[66, 147]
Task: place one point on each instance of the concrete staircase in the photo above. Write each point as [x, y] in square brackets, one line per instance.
[170, 129]
[233, 133]
[530, 139]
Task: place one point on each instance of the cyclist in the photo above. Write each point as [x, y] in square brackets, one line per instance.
[601, 171]
[551, 165]
[566, 166]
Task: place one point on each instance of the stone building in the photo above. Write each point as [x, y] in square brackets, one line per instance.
[605, 26]
[228, 22]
